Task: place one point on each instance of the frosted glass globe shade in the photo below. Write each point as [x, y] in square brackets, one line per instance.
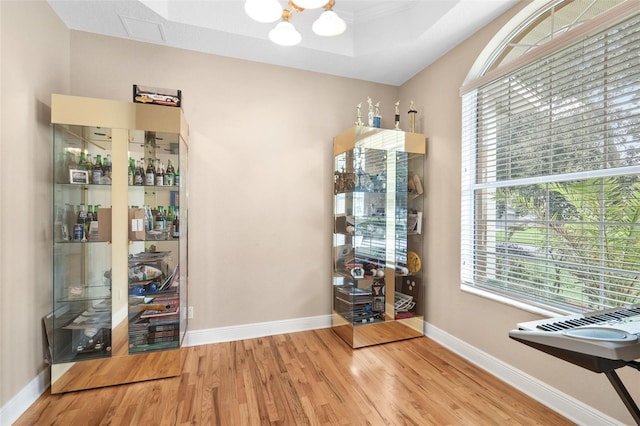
[263, 10]
[285, 34]
[329, 24]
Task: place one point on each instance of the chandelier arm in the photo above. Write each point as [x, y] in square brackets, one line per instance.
[286, 15]
[329, 5]
[294, 7]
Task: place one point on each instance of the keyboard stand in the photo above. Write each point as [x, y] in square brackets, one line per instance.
[598, 365]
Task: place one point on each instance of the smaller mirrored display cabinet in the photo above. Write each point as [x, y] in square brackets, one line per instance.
[119, 242]
[377, 255]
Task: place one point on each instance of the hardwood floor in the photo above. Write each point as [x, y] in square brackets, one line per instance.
[306, 378]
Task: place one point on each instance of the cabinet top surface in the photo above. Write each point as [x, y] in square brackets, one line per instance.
[374, 138]
[85, 111]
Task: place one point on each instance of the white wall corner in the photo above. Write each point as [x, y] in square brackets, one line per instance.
[17, 405]
[564, 404]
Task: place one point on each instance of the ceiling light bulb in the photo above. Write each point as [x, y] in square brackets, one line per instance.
[285, 34]
[263, 10]
[310, 4]
[329, 24]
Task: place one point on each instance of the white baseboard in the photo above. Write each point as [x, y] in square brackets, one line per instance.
[566, 405]
[250, 331]
[13, 409]
[560, 402]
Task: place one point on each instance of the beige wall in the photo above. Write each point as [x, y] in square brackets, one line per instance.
[260, 170]
[35, 62]
[260, 190]
[480, 322]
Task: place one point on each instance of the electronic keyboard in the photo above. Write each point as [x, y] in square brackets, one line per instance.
[601, 341]
[611, 334]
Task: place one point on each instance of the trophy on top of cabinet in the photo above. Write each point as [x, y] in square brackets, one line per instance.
[358, 115]
[397, 115]
[370, 113]
[412, 117]
[377, 118]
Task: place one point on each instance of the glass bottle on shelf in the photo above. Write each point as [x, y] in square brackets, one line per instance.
[159, 174]
[150, 178]
[82, 164]
[160, 221]
[148, 219]
[169, 176]
[79, 226]
[88, 166]
[96, 171]
[106, 168]
[138, 177]
[176, 224]
[171, 215]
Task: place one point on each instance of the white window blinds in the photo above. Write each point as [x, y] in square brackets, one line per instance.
[551, 177]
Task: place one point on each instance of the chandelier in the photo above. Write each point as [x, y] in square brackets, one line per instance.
[327, 25]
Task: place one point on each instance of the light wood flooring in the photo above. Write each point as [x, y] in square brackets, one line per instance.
[306, 378]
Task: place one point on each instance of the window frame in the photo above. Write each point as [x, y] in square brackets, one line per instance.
[469, 168]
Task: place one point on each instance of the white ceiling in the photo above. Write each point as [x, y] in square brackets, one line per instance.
[385, 42]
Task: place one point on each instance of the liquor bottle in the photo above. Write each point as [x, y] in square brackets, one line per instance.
[82, 165]
[142, 170]
[96, 172]
[131, 170]
[148, 219]
[89, 166]
[169, 176]
[138, 177]
[160, 219]
[176, 224]
[171, 216]
[79, 226]
[89, 213]
[159, 174]
[82, 214]
[176, 178]
[151, 175]
[106, 167]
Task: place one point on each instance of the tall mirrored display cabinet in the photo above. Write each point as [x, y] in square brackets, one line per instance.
[378, 204]
[119, 242]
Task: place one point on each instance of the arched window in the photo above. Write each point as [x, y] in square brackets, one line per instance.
[551, 160]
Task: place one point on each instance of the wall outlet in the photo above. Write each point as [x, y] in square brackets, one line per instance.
[190, 312]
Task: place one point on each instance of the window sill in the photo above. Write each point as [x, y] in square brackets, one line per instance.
[512, 302]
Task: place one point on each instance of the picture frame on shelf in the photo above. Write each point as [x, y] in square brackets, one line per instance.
[78, 176]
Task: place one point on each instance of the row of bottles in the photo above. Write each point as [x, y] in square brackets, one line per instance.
[153, 175]
[160, 223]
[78, 223]
[98, 170]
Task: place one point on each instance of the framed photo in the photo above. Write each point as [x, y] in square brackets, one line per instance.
[78, 176]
